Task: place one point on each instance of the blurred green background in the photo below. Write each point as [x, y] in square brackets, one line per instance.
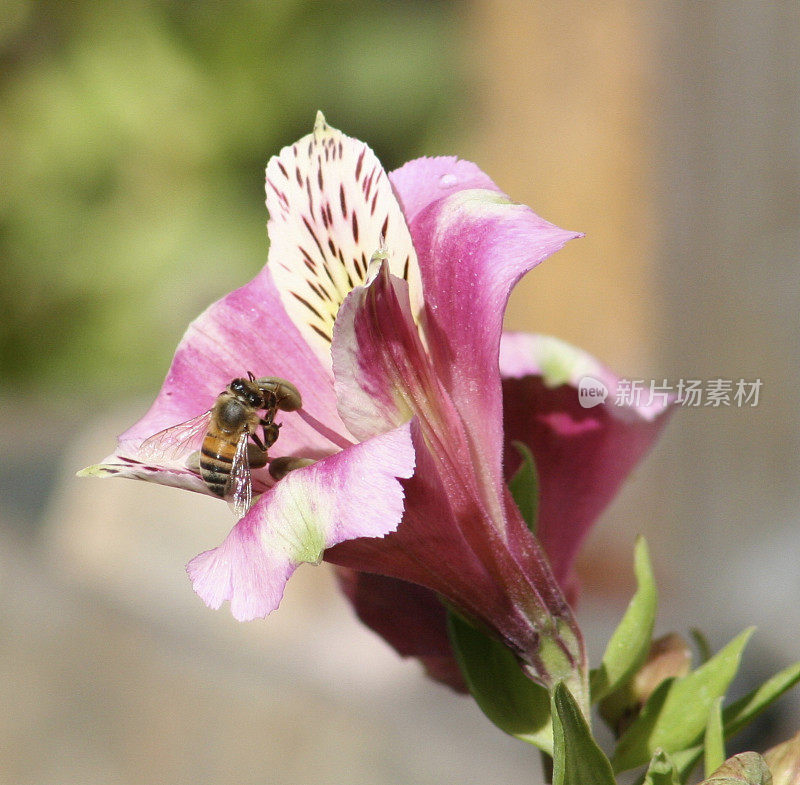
[133, 141]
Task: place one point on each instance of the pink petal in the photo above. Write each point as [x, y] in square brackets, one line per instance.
[473, 247]
[582, 455]
[423, 181]
[247, 330]
[121, 466]
[461, 536]
[354, 493]
[557, 362]
[450, 543]
[331, 207]
[383, 375]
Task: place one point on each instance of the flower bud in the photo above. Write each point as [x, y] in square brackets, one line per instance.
[784, 762]
[669, 657]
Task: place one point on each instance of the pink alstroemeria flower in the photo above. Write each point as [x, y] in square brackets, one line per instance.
[382, 301]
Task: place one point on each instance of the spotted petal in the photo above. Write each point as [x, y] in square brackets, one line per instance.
[331, 207]
[354, 493]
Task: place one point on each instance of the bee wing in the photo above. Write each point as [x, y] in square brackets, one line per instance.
[178, 439]
[241, 486]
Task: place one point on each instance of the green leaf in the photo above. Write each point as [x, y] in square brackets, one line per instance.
[577, 760]
[741, 712]
[506, 696]
[686, 760]
[661, 770]
[746, 768]
[630, 643]
[715, 739]
[675, 716]
[701, 642]
[524, 487]
[744, 710]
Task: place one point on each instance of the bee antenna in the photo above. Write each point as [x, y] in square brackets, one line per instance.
[250, 374]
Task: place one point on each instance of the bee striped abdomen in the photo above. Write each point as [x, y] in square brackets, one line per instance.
[216, 460]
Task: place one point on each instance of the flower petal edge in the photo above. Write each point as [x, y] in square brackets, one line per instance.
[354, 493]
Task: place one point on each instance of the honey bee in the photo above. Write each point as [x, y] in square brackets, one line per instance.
[223, 434]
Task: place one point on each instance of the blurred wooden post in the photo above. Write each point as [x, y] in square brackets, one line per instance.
[559, 124]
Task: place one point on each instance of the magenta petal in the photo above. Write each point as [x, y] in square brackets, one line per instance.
[116, 465]
[426, 180]
[242, 571]
[473, 247]
[582, 455]
[355, 493]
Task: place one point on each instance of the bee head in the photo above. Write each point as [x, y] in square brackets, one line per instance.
[247, 391]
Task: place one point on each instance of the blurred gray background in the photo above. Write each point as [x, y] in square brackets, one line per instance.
[133, 139]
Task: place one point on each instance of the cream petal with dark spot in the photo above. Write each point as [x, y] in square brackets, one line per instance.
[331, 207]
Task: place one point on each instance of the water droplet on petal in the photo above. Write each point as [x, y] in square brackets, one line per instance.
[448, 180]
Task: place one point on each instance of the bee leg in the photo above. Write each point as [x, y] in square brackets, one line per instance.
[256, 453]
[256, 456]
[271, 431]
[261, 445]
[280, 467]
